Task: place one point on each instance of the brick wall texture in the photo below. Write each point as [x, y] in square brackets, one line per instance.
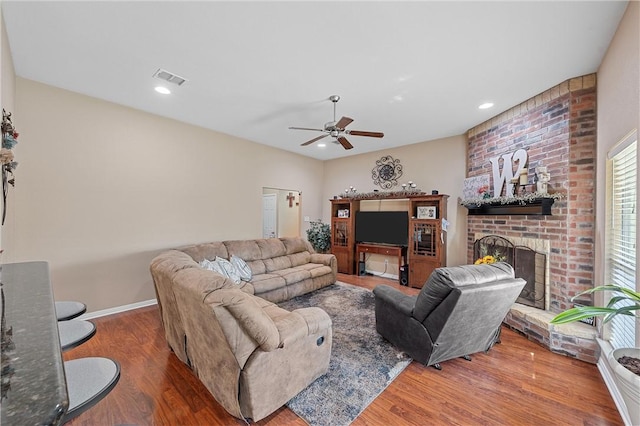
[558, 130]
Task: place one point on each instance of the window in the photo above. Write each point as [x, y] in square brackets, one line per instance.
[620, 251]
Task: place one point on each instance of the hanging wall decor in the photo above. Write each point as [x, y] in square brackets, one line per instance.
[386, 172]
[7, 163]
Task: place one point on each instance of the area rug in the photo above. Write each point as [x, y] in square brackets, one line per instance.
[362, 363]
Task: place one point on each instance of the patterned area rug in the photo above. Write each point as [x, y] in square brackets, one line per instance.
[362, 363]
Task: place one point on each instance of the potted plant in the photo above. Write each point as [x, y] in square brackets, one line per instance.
[319, 235]
[625, 362]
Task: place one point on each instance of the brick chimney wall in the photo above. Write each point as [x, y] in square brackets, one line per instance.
[558, 130]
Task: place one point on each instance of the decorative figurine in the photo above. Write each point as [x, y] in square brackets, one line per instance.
[543, 177]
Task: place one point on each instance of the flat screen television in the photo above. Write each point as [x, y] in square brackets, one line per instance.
[382, 227]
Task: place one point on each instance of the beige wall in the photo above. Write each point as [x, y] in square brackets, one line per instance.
[439, 164]
[101, 189]
[618, 111]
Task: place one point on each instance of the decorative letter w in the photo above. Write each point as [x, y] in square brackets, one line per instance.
[507, 174]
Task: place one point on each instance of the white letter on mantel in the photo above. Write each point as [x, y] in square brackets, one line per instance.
[507, 174]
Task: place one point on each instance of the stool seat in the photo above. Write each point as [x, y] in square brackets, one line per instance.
[89, 380]
[66, 310]
[74, 333]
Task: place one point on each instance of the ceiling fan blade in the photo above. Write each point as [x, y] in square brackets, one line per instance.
[313, 140]
[363, 133]
[344, 142]
[306, 128]
[344, 122]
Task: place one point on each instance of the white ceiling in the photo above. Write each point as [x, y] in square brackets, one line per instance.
[416, 71]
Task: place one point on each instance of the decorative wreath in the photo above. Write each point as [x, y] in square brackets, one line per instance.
[386, 172]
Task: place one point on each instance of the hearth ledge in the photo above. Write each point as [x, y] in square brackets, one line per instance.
[576, 340]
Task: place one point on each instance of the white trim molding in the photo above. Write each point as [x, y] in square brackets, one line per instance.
[606, 371]
[118, 309]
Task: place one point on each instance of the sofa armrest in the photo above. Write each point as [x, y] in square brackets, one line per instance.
[301, 323]
[324, 259]
[402, 302]
[248, 314]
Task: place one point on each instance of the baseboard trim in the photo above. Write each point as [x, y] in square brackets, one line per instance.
[607, 375]
[118, 309]
[377, 274]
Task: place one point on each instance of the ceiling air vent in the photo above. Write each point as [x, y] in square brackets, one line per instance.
[170, 77]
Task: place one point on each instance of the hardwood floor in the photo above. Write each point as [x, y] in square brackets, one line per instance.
[517, 383]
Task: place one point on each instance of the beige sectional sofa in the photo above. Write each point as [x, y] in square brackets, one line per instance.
[250, 354]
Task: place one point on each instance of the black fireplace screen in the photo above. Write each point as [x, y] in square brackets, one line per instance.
[527, 263]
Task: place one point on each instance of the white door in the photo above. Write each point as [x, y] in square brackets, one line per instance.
[269, 216]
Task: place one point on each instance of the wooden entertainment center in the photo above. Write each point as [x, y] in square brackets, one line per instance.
[427, 243]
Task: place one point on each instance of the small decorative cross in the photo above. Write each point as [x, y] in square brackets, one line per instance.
[291, 198]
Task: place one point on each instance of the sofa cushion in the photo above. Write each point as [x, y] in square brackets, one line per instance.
[319, 270]
[271, 247]
[267, 282]
[295, 245]
[206, 251]
[243, 269]
[247, 250]
[257, 267]
[300, 258]
[277, 263]
[293, 275]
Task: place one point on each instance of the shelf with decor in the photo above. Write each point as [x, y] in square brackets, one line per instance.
[427, 238]
[533, 204]
[427, 242]
[343, 244]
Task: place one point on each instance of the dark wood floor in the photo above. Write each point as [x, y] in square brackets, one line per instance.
[516, 383]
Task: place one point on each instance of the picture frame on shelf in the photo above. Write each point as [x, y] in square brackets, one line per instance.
[343, 213]
[426, 212]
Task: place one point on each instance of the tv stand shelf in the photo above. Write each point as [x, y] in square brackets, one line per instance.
[427, 241]
[386, 250]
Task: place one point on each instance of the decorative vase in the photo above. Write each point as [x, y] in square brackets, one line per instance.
[628, 382]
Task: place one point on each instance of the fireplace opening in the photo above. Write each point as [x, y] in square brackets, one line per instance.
[527, 263]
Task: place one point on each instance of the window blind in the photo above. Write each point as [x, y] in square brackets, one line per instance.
[621, 234]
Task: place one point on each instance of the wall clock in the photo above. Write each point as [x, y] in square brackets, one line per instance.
[386, 172]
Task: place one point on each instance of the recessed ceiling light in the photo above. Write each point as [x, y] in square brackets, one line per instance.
[162, 90]
[485, 105]
[322, 145]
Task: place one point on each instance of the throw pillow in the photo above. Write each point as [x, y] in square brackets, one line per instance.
[213, 266]
[242, 267]
[229, 270]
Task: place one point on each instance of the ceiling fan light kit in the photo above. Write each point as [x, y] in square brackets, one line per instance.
[336, 129]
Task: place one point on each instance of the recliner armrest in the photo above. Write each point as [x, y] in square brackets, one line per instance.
[322, 258]
[402, 302]
[301, 323]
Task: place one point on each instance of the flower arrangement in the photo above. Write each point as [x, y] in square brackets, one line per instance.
[486, 260]
[483, 192]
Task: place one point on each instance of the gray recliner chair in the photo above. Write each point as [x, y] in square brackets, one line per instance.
[458, 312]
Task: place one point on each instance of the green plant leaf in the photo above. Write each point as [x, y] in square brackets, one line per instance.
[578, 313]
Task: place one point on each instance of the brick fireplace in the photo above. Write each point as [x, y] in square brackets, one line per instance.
[557, 128]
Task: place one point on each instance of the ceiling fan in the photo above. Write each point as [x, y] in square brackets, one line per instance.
[336, 129]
